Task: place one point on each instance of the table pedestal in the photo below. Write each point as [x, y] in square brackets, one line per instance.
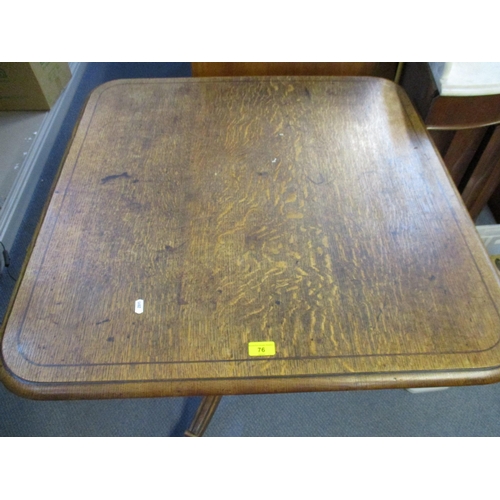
[203, 416]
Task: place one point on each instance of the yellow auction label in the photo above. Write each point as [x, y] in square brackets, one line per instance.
[261, 349]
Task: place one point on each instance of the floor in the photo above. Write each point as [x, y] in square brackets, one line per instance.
[18, 131]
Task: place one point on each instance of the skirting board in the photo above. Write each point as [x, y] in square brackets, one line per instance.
[16, 203]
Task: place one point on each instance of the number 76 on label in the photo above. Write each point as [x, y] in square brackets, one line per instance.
[261, 348]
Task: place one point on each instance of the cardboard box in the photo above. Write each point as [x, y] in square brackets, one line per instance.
[31, 86]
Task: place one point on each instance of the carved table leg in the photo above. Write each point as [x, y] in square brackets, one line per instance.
[203, 416]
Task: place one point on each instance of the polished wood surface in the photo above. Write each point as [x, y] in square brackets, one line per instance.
[461, 152]
[379, 69]
[486, 176]
[447, 112]
[464, 112]
[203, 416]
[313, 212]
[442, 139]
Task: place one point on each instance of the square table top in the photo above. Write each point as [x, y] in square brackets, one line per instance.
[312, 212]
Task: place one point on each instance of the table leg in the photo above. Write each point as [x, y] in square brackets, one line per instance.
[485, 178]
[203, 416]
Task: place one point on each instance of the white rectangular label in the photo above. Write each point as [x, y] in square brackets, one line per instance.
[139, 306]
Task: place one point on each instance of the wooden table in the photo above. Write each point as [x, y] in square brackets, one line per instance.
[308, 213]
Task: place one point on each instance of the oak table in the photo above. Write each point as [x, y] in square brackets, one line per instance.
[251, 235]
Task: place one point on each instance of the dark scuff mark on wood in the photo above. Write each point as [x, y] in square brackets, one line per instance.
[320, 181]
[109, 178]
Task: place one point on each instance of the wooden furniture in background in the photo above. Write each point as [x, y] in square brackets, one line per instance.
[380, 69]
[311, 212]
[465, 131]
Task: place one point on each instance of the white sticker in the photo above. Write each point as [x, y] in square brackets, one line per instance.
[139, 306]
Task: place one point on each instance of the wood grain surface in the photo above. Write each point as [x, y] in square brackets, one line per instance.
[203, 416]
[379, 69]
[485, 177]
[448, 112]
[461, 151]
[313, 212]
